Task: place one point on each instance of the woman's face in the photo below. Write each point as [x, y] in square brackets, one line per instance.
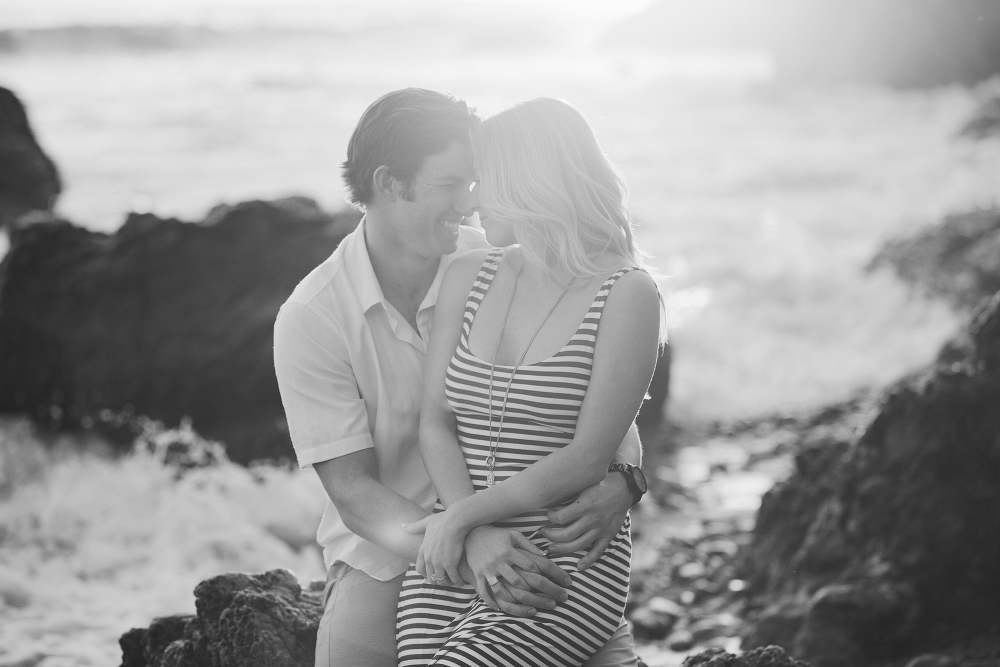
[498, 234]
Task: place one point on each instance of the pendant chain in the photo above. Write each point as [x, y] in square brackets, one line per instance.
[493, 443]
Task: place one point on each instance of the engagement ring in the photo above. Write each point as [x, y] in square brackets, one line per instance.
[492, 581]
[434, 577]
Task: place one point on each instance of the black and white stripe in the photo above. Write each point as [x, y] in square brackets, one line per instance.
[443, 625]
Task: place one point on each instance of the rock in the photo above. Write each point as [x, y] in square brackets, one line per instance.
[779, 624]
[29, 180]
[680, 640]
[769, 656]
[915, 43]
[242, 620]
[662, 605]
[893, 538]
[705, 629]
[163, 318]
[163, 632]
[649, 624]
[931, 660]
[13, 590]
[846, 622]
[713, 627]
[133, 645]
[958, 260]
[786, 516]
[692, 570]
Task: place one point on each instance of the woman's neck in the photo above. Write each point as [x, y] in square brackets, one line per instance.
[534, 274]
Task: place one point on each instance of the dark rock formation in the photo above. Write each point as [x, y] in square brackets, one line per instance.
[770, 656]
[267, 620]
[28, 178]
[896, 42]
[242, 620]
[889, 545]
[958, 259]
[163, 318]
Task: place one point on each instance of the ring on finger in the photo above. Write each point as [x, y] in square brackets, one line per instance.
[435, 577]
[492, 581]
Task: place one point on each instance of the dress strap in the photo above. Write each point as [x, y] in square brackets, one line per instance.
[591, 321]
[484, 279]
[602, 294]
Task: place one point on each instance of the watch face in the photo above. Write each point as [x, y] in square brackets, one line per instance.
[639, 479]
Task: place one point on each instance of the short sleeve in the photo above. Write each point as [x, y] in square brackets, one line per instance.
[326, 415]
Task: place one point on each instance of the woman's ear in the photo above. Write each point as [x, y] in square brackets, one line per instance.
[385, 185]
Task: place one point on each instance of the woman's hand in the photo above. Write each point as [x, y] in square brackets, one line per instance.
[511, 573]
[441, 549]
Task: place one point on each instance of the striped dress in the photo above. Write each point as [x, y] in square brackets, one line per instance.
[444, 625]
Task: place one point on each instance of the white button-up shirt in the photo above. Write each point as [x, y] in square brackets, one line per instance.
[350, 371]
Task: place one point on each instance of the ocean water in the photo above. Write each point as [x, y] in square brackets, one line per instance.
[759, 204]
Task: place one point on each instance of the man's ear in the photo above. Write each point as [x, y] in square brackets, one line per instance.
[385, 184]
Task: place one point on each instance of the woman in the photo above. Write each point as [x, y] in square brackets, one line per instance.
[515, 419]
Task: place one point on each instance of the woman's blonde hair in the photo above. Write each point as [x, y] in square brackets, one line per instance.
[542, 172]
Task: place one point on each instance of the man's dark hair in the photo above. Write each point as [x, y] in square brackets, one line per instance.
[399, 130]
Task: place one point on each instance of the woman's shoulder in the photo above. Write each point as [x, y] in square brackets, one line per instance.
[463, 269]
[632, 284]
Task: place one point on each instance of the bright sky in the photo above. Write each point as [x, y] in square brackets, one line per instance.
[306, 13]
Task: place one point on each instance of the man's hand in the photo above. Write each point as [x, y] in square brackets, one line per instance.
[525, 579]
[592, 520]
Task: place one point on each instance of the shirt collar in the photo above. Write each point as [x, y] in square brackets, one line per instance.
[360, 271]
[432, 293]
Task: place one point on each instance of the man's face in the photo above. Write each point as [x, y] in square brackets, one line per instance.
[437, 202]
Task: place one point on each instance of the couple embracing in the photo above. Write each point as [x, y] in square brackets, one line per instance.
[468, 402]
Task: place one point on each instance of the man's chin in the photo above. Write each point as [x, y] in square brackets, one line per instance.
[447, 248]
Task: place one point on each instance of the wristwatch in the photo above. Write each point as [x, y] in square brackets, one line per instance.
[633, 477]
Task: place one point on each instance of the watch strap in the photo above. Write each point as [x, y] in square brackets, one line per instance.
[628, 470]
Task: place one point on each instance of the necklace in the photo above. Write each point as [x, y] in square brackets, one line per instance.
[492, 458]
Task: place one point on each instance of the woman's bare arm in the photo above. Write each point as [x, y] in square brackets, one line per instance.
[439, 446]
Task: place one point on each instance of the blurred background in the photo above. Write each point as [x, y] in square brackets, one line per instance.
[772, 147]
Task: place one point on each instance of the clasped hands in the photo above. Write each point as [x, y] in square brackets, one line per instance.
[508, 571]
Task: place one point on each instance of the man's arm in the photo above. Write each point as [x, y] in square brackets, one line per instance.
[368, 508]
[597, 514]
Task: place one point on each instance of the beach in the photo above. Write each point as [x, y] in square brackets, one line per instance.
[759, 204]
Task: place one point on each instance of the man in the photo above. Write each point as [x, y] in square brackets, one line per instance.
[349, 345]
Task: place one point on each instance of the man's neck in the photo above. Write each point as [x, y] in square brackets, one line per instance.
[403, 276]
